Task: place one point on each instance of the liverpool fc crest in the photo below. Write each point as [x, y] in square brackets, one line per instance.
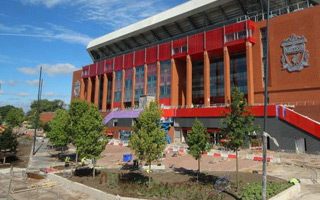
[295, 56]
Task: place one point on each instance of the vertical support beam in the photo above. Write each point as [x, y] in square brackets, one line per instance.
[174, 83]
[89, 91]
[133, 87]
[112, 90]
[189, 82]
[82, 88]
[105, 92]
[145, 86]
[206, 79]
[158, 83]
[227, 87]
[96, 92]
[250, 85]
[122, 88]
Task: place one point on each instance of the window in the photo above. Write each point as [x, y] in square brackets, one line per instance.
[152, 79]
[238, 72]
[139, 82]
[197, 82]
[165, 79]
[118, 88]
[128, 85]
[217, 81]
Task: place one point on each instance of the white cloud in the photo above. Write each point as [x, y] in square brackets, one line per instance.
[48, 33]
[22, 94]
[33, 82]
[49, 94]
[50, 69]
[12, 82]
[114, 13]
[1, 92]
[47, 3]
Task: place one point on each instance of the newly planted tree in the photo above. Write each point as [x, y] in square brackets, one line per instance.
[58, 134]
[148, 139]
[14, 117]
[237, 125]
[197, 141]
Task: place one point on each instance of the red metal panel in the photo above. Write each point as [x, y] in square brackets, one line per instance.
[101, 67]
[116, 104]
[118, 63]
[214, 39]
[300, 121]
[152, 54]
[237, 27]
[195, 43]
[164, 101]
[109, 65]
[128, 61]
[139, 58]
[93, 69]
[85, 71]
[165, 51]
[179, 47]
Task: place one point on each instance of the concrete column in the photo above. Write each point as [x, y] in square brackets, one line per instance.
[145, 87]
[122, 88]
[112, 88]
[206, 79]
[158, 83]
[133, 87]
[250, 84]
[227, 87]
[105, 92]
[189, 82]
[174, 83]
[82, 88]
[89, 91]
[96, 92]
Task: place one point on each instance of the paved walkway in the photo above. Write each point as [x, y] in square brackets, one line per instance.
[42, 158]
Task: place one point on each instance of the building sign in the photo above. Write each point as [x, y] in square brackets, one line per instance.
[76, 89]
[295, 56]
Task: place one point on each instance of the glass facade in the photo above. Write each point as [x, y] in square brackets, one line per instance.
[118, 86]
[100, 92]
[217, 81]
[197, 82]
[109, 91]
[165, 79]
[128, 85]
[152, 79]
[139, 82]
[238, 72]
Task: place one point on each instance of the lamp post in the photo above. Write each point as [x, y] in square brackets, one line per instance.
[266, 101]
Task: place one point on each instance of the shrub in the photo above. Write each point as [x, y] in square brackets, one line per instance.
[252, 191]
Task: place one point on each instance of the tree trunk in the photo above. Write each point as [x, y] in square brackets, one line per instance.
[198, 169]
[149, 181]
[94, 171]
[237, 169]
[76, 159]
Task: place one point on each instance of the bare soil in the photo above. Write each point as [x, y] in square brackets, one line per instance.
[132, 183]
[23, 152]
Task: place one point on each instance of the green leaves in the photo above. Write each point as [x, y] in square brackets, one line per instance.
[197, 139]
[8, 140]
[80, 125]
[58, 135]
[148, 139]
[238, 123]
[14, 117]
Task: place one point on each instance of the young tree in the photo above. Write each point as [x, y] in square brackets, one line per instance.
[148, 139]
[237, 125]
[197, 141]
[58, 134]
[14, 117]
[8, 141]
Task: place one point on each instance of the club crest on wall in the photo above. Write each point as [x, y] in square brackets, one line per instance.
[76, 89]
[295, 56]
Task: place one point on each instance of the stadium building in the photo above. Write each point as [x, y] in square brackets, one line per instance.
[189, 57]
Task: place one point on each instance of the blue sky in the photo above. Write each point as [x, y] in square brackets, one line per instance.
[54, 34]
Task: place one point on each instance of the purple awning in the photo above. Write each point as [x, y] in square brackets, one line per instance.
[122, 114]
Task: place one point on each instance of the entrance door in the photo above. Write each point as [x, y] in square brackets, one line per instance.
[300, 145]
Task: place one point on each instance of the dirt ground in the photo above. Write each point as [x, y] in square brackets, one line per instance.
[179, 176]
[23, 152]
[111, 157]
